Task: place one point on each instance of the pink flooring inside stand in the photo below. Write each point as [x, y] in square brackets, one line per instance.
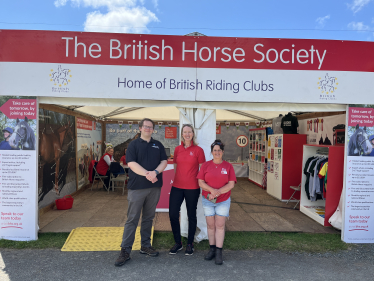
[98, 208]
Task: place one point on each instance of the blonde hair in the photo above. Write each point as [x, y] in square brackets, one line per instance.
[193, 131]
[108, 148]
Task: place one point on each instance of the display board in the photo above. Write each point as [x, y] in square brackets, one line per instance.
[121, 135]
[57, 162]
[359, 175]
[236, 140]
[320, 130]
[18, 150]
[89, 147]
[231, 136]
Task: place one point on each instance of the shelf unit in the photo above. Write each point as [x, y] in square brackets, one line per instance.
[257, 156]
[285, 153]
[322, 210]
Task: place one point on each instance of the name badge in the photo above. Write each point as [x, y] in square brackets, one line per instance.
[224, 172]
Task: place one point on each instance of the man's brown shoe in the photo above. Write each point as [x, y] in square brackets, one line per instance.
[123, 257]
[150, 251]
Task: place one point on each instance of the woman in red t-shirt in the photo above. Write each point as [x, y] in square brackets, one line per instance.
[123, 158]
[187, 159]
[216, 178]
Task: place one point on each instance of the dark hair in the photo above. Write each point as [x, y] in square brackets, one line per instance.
[219, 143]
[146, 119]
[124, 151]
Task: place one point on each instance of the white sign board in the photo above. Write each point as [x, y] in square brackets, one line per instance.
[18, 163]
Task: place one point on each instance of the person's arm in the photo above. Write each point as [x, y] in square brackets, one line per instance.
[151, 175]
[226, 188]
[214, 192]
[136, 168]
[107, 159]
[201, 157]
[175, 159]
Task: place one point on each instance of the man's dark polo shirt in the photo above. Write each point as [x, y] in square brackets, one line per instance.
[148, 155]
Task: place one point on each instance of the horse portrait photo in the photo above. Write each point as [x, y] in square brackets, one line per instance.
[23, 137]
[359, 144]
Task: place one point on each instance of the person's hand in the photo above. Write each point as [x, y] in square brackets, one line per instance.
[154, 180]
[211, 197]
[151, 176]
[215, 193]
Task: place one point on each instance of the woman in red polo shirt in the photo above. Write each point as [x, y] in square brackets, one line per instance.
[216, 178]
[187, 159]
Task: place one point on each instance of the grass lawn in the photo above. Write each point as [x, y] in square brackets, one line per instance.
[286, 242]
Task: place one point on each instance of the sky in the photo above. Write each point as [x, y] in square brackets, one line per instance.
[310, 19]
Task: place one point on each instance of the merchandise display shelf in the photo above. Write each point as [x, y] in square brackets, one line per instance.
[257, 155]
[316, 213]
[285, 153]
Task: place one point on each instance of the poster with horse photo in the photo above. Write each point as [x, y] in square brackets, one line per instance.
[359, 175]
[18, 168]
[89, 147]
[57, 161]
[120, 135]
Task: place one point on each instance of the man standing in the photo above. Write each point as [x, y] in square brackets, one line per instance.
[146, 159]
[4, 145]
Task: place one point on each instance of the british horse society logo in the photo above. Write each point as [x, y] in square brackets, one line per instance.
[60, 79]
[327, 87]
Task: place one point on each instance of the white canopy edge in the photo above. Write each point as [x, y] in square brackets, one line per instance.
[271, 106]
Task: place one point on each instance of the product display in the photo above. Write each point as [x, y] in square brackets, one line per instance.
[277, 122]
[286, 153]
[257, 156]
[289, 124]
[322, 181]
[314, 185]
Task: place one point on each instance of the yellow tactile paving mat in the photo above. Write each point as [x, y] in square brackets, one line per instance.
[96, 239]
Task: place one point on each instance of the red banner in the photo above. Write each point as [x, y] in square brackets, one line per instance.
[170, 132]
[361, 115]
[19, 108]
[184, 51]
[218, 130]
[84, 124]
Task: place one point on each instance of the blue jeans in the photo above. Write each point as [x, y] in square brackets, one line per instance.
[220, 209]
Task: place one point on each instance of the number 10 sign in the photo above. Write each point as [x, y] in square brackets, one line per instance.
[242, 141]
